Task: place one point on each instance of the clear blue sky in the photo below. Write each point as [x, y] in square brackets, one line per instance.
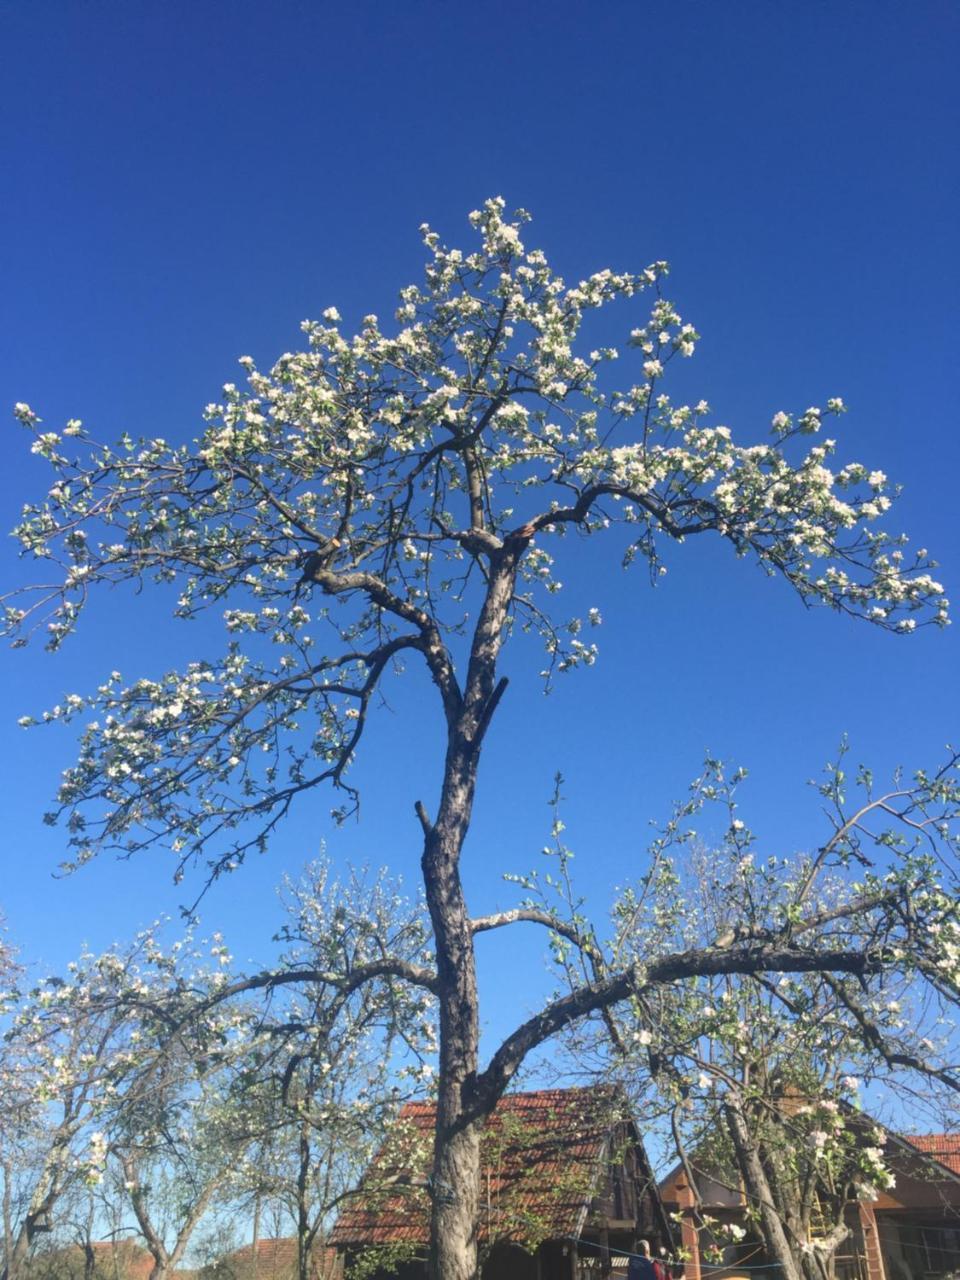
[184, 182]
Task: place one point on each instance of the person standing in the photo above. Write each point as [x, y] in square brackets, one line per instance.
[641, 1265]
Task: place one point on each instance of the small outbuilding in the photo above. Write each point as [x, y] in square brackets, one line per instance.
[567, 1190]
[274, 1259]
[910, 1232]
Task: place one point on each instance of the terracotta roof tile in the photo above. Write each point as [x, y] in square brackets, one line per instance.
[132, 1260]
[275, 1259]
[944, 1147]
[113, 1257]
[541, 1163]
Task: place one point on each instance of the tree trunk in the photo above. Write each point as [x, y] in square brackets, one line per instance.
[455, 1184]
[256, 1234]
[820, 1262]
[35, 1222]
[165, 1262]
[758, 1190]
[89, 1253]
[161, 1264]
[303, 1210]
[456, 1166]
[7, 1215]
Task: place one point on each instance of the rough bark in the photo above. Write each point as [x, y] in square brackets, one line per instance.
[456, 1167]
[758, 1190]
[303, 1208]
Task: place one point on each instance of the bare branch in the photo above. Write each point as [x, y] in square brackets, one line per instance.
[641, 978]
[432, 646]
[531, 915]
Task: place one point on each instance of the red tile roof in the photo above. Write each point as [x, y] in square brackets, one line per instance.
[943, 1147]
[124, 1258]
[541, 1155]
[275, 1260]
[132, 1260]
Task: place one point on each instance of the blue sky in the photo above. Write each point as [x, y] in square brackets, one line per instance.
[185, 182]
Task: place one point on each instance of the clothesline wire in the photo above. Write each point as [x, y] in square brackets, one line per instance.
[738, 1268]
[704, 1266]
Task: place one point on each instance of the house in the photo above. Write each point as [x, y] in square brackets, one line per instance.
[273, 1259]
[566, 1184]
[911, 1232]
[101, 1260]
[918, 1220]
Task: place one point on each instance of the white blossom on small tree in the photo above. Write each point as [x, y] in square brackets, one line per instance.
[72, 1057]
[760, 1074]
[324, 1076]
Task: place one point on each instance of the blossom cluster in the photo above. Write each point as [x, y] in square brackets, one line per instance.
[349, 499]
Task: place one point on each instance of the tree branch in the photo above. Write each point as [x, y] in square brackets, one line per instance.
[875, 1040]
[344, 984]
[486, 714]
[751, 933]
[531, 915]
[432, 646]
[636, 980]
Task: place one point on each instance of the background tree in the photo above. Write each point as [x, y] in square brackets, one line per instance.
[14, 1108]
[146, 1099]
[75, 1248]
[411, 482]
[67, 1059]
[324, 1077]
[761, 1075]
[95, 1063]
[175, 1146]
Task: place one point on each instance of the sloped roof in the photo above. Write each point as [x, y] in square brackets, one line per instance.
[275, 1259]
[541, 1165]
[942, 1147]
[122, 1257]
[721, 1190]
[133, 1261]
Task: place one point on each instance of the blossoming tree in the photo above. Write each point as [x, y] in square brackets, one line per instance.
[174, 1146]
[397, 497]
[760, 1075]
[72, 1058]
[143, 1089]
[324, 1076]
